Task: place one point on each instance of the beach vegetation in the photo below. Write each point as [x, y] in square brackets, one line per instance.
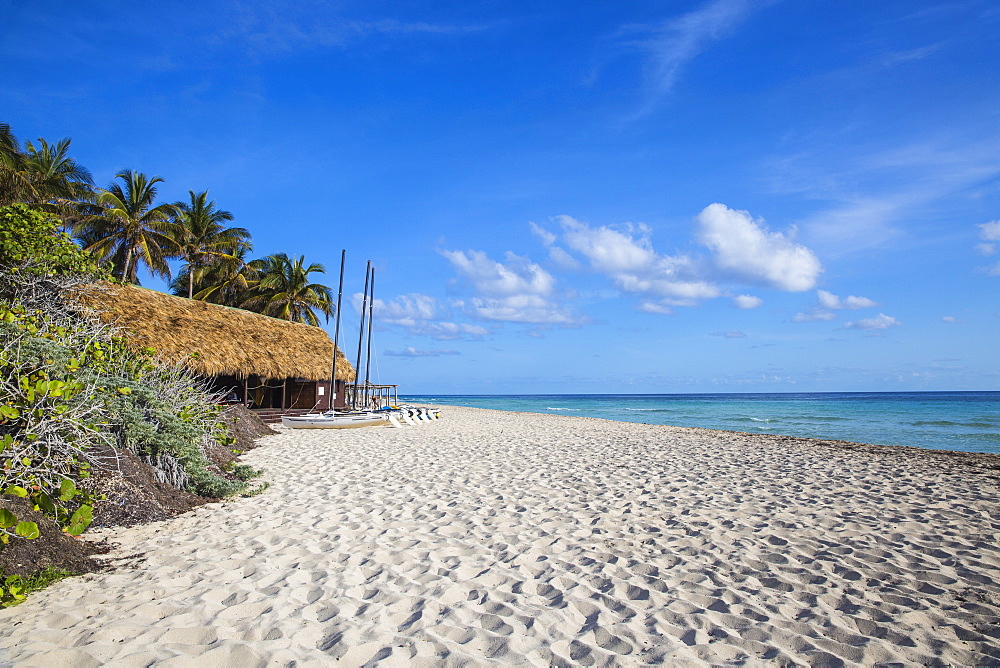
[225, 281]
[30, 241]
[68, 384]
[42, 174]
[126, 229]
[15, 588]
[74, 398]
[131, 229]
[201, 238]
[284, 290]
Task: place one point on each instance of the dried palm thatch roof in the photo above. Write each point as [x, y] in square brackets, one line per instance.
[223, 341]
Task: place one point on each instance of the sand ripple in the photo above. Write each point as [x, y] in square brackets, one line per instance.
[498, 538]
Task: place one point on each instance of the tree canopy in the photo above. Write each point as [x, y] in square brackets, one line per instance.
[125, 229]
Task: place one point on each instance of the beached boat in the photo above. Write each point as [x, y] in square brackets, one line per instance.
[334, 420]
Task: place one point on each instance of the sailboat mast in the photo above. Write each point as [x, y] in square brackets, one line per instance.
[361, 338]
[336, 335]
[368, 361]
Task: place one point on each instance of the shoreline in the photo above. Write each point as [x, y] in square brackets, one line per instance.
[500, 537]
[982, 462]
[953, 421]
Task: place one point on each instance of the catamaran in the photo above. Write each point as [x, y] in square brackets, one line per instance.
[344, 419]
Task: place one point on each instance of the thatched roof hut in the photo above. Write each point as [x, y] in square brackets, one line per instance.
[214, 340]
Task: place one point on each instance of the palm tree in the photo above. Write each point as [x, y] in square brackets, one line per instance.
[130, 230]
[227, 281]
[58, 182]
[284, 291]
[44, 175]
[200, 237]
[13, 183]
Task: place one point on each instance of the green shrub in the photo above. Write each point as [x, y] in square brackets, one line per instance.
[14, 588]
[67, 384]
[30, 241]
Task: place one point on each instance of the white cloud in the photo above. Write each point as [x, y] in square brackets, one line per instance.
[881, 321]
[747, 301]
[990, 231]
[655, 307]
[443, 330]
[625, 254]
[949, 318]
[741, 246]
[986, 249]
[405, 308]
[829, 300]
[518, 276]
[517, 290]
[816, 315]
[547, 237]
[422, 315]
[993, 270]
[559, 257]
[745, 247]
[610, 251]
[520, 308]
[410, 351]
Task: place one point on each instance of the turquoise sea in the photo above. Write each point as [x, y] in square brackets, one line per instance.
[968, 421]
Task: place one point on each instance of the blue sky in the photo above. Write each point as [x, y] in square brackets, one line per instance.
[671, 196]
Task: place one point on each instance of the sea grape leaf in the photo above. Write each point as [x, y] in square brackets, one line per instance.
[27, 530]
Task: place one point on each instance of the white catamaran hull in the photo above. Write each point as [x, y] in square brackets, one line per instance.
[342, 421]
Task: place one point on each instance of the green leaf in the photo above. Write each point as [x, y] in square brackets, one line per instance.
[27, 530]
[80, 520]
[67, 489]
[15, 490]
[44, 503]
[7, 518]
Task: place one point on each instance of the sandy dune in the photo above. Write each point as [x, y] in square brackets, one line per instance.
[499, 538]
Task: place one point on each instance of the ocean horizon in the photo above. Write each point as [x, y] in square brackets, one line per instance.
[967, 421]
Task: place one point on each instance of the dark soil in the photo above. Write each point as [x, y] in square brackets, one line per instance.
[246, 427]
[53, 548]
[133, 494]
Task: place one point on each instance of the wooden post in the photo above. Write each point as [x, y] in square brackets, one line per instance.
[246, 391]
[284, 392]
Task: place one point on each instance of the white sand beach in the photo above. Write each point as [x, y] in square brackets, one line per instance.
[496, 538]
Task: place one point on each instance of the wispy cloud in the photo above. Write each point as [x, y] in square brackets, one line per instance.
[989, 233]
[672, 44]
[871, 194]
[278, 27]
[410, 351]
[731, 334]
[910, 55]
[814, 315]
